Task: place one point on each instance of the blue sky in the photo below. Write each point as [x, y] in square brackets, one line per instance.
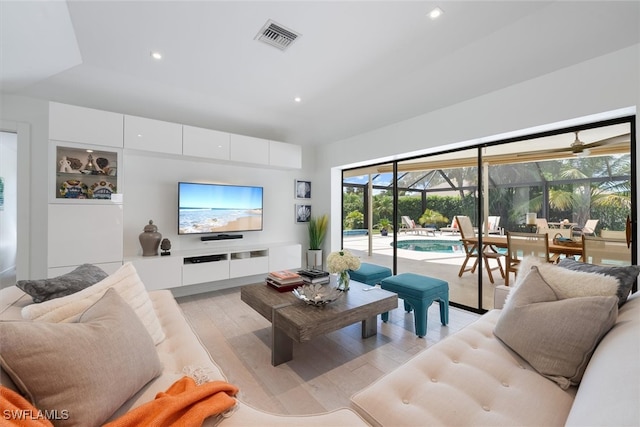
[219, 196]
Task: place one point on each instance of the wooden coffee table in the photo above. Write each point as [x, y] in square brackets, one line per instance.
[293, 320]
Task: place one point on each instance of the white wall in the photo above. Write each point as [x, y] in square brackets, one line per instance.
[151, 192]
[606, 83]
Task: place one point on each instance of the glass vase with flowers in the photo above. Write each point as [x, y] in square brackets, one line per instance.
[340, 262]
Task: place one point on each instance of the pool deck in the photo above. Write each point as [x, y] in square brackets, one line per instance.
[445, 266]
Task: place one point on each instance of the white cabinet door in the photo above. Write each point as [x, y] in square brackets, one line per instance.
[152, 135]
[205, 272]
[85, 125]
[248, 149]
[285, 155]
[206, 143]
[159, 272]
[249, 266]
[84, 233]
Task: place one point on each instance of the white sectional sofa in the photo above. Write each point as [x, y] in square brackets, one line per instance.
[471, 378]
[181, 351]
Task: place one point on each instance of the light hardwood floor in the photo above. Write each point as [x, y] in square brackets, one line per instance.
[324, 372]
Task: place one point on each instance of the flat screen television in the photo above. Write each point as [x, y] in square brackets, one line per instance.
[218, 208]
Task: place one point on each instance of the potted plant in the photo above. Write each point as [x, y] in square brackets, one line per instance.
[384, 225]
[432, 218]
[317, 228]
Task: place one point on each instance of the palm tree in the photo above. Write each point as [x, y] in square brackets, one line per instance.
[383, 205]
[581, 197]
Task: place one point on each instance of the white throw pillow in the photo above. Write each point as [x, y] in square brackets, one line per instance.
[569, 283]
[125, 281]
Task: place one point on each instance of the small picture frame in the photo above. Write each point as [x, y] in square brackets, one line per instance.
[302, 189]
[303, 213]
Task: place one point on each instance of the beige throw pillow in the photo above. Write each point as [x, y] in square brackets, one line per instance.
[555, 336]
[128, 284]
[81, 373]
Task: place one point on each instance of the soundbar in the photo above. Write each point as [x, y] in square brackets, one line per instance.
[221, 237]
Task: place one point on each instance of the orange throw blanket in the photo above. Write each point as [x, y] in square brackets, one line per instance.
[18, 412]
[184, 404]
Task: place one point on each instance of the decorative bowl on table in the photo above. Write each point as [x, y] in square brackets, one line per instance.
[558, 239]
[317, 295]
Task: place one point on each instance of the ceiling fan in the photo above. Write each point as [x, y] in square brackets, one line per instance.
[580, 149]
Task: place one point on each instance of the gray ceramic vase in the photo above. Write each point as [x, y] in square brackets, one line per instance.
[150, 240]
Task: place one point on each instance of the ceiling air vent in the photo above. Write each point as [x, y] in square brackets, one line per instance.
[276, 35]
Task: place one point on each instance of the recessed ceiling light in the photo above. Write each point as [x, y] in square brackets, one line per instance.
[156, 55]
[435, 13]
[297, 99]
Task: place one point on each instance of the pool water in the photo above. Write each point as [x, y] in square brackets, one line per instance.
[442, 246]
[439, 246]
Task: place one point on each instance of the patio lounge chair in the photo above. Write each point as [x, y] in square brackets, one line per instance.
[494, 225]
[409, 225]
[453, 228]
[589, 228]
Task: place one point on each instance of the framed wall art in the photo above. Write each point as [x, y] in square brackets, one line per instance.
[303, 189]
[303, 213]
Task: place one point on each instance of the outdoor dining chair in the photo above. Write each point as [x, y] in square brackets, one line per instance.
[471, 249]
[605, 251]
[520, 245]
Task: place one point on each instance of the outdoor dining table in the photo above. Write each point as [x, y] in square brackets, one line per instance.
[501, 242]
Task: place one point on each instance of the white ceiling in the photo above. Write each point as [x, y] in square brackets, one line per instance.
[358, 65]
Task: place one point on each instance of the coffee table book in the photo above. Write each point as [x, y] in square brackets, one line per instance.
[284, 275]
[287, 287]
[316, 281]
[312, 273]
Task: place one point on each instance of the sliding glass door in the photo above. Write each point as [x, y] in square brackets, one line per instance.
[565, 183]
[368, 214]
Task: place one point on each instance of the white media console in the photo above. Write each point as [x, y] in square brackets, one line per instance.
[215, 265]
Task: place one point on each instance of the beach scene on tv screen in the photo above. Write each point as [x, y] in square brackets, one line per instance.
[208, 208]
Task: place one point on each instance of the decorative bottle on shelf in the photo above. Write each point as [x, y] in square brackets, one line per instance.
[150, 240]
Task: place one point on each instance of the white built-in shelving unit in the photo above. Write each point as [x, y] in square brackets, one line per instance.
[87, 199]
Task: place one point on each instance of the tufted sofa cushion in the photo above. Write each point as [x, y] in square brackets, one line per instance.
[471, 378]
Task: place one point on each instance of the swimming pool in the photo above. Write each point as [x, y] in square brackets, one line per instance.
[439, 246]
[442, 246]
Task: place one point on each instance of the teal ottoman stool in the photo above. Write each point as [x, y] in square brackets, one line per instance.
[418, 292]
[370, 274]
